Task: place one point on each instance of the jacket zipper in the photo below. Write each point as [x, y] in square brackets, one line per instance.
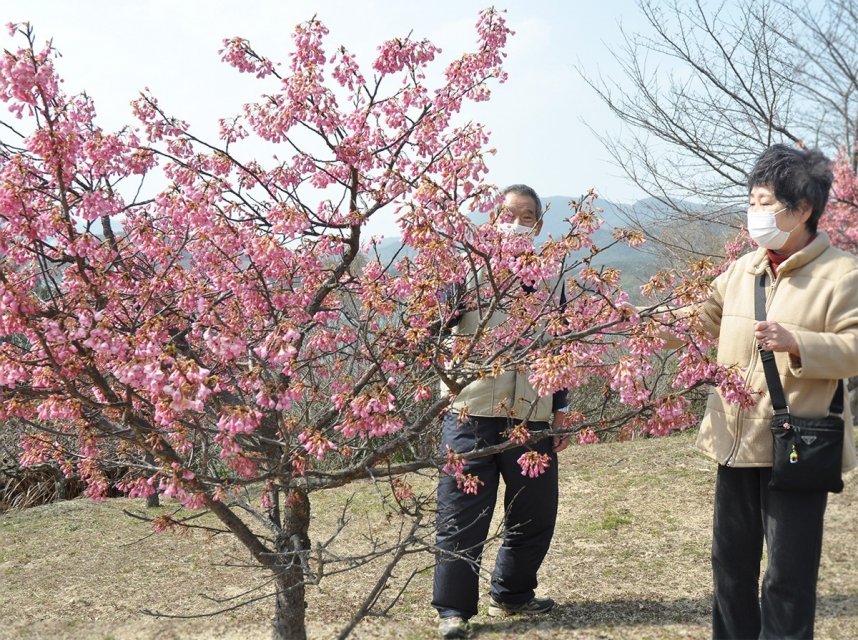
[751, 366]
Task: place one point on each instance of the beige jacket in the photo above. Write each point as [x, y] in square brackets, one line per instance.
[815, 296]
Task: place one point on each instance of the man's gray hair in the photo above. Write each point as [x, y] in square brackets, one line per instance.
[524, 190]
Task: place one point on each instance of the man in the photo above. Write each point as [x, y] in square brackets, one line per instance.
[480, 417]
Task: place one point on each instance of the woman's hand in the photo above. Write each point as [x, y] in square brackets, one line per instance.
[773, 337]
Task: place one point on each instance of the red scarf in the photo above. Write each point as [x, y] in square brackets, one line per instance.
[775, 259]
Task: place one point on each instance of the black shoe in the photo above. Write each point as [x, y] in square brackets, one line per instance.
[532, 606]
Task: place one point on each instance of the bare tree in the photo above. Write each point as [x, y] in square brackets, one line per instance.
[744, 75]
[826, 72]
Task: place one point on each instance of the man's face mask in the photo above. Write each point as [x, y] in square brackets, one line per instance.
[519, 215]
[512, 228]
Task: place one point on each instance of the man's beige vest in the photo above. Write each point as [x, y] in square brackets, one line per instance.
[508, 395]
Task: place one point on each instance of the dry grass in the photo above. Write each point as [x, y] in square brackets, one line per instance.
[630, 560]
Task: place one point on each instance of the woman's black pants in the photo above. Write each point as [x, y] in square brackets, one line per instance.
[747, 512]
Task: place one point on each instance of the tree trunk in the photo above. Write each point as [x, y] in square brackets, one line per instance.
[292, 543]
[153, 500]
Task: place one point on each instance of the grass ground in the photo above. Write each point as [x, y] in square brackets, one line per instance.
[630, 559]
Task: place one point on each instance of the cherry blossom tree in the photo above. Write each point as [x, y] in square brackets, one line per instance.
[841, 216]
[179, 319]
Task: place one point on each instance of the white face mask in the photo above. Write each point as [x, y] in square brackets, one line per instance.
[512, 229]
[763, 228]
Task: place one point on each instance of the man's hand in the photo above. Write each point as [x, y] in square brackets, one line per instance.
[560, 442]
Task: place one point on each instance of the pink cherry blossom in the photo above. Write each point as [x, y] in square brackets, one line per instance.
[533, 463]
[468, 483]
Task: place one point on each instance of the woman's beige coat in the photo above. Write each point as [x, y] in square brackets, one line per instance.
[815, 296]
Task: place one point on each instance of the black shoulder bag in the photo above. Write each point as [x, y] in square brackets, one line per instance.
[807, 452]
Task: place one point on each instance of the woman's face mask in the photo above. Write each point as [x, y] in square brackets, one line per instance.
[763, 228]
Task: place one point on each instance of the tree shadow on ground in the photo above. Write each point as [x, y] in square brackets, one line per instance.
[626, 613]
[835, 605]
[613, 613]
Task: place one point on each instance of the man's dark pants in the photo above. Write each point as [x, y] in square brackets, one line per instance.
[463, 519]
[746, 513]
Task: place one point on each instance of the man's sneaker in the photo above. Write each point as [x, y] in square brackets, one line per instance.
[532, 606]
[453, 627]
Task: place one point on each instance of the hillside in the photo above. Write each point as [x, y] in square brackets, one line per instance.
[630, 560]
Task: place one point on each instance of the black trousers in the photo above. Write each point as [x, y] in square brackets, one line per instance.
[747, 512]
[463, 519]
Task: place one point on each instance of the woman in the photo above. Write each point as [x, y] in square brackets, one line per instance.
[812, 327]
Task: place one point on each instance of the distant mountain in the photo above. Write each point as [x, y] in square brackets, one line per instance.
[558, 213]
[558, 210]
[636, 265]
[390, 249]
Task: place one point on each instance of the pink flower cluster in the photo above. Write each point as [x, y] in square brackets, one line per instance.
[841, 216]
[533, 463]
[38, 449]
[455, 463]
[141, 487]
[239, 420]
[629, 380]
[403, 491]
[671, 414]
[587, 436]
[519, 434]
[315, 443]
[399, 54]
[468, 483]
[177, 483]
[371, 414]
[238, 53]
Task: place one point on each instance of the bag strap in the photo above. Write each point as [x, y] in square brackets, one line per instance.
[770, 367]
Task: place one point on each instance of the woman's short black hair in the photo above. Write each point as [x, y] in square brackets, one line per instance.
[794, 175]
[524, 190]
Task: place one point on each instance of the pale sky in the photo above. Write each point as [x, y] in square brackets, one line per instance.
[113, 48]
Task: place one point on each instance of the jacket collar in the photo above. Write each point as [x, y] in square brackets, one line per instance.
[820, 243]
